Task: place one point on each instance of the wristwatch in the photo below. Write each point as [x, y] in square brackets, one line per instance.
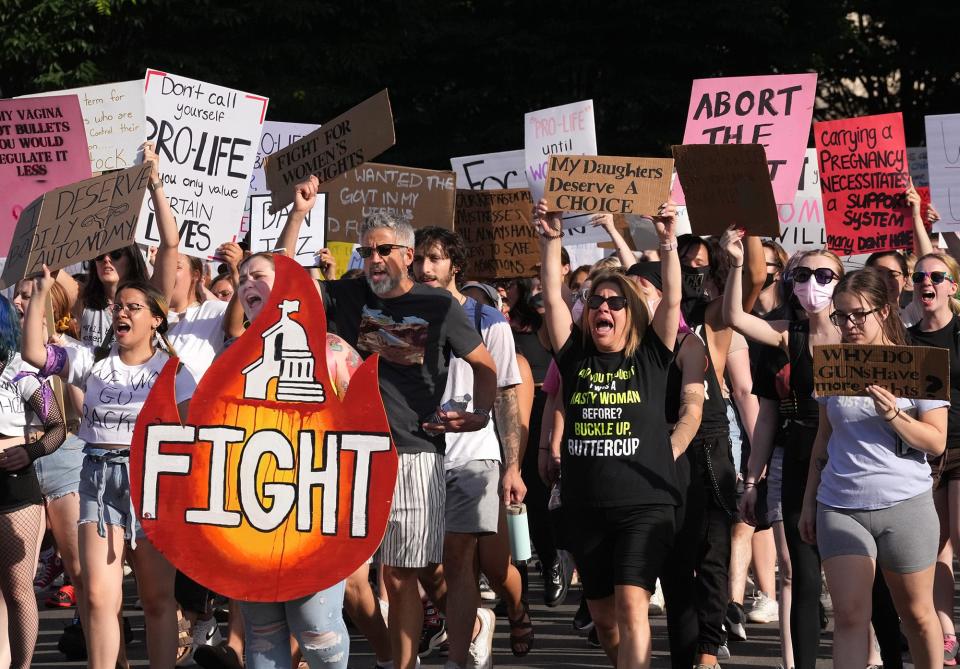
[154, 185]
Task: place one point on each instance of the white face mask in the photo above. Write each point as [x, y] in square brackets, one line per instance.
[812, 296]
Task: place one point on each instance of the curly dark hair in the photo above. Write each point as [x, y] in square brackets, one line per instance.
[450, 242]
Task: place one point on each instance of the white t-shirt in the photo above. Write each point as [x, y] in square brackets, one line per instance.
[114, 393]
[94, 325]
[14, 398]
[462, 447]
[197, 335]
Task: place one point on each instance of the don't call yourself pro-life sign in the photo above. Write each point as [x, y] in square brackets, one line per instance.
[607, 184]
[275, 467]
[77, 222]
[912, 372]
[864, 177]
[43, 146]
[206, 137]
[114, 117]
[774, 111]
[340, 145]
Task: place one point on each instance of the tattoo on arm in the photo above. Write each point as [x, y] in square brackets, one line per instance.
[506, 413]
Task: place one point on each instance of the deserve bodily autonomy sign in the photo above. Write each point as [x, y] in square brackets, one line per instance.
[206, 137]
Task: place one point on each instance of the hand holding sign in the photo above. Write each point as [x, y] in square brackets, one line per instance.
[884, 402]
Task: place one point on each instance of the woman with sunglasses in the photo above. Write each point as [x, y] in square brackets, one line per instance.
[935, 288]
[868, 501]
[115, 387]
[619, 480]
[814, 278]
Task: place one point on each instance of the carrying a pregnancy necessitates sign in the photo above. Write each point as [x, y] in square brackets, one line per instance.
[206, 136]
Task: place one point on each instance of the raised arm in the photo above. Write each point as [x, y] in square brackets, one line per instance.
[755, 271]
[556, 313]
[304, 198]
[666, 320]
[746, 324]
[921, 240]
[624, 252]
[165, 265]
[33, 348]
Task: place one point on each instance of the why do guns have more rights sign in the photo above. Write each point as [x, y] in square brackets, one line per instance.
[206, 137]
[913, 372]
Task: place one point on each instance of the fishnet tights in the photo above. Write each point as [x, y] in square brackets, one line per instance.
[19, 538]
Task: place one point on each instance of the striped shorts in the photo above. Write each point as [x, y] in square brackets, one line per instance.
[415, 529]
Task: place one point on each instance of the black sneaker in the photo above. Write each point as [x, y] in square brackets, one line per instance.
[71, 642]
[735, 620]
[220, 656]
[556, 582]
[433, 636]
[582, 620]
[593, 639]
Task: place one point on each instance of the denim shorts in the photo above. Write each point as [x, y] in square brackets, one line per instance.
[105, 492]
[59, 472]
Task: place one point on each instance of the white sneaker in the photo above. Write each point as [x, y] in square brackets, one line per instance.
[481, 648]
[764, 610]
[657, 606]
[486, 592]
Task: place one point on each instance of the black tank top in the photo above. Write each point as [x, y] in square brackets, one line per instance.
[714, 422]
[795, 379]
[539, 358]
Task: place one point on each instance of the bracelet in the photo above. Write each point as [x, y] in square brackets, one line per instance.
[749, 484]
[669, 246]
[893, 417]
[546, 236]
[736, 266]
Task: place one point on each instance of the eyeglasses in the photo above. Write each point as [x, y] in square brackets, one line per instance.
[130, 307]
[383, 250]
[936, 278]
[614, 302]
[823, 275]
[857, 318]
[114, 256]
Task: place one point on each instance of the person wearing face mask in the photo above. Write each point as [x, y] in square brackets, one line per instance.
[935, 280]
[814, 278]
[868, 501]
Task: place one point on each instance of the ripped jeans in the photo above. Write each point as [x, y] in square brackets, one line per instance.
[316, 621]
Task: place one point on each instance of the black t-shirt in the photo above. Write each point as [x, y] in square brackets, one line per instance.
[766, 361]
[616, 448]
[414, 335]
[948, 338]
[528, 344]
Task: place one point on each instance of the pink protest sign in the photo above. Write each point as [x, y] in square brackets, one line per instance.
[864, 177]
[43, 145]
[772, 110]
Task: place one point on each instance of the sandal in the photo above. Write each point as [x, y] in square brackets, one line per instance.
[184, 639]
[521, 632]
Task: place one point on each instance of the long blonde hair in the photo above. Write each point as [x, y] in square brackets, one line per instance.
[953, 269]
[637, 317]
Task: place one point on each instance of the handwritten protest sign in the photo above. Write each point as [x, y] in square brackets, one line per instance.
[265, 229]
[943, 159]
[919, 170]
[346, 142]
[280, 463]
[915, 372]
[567, 129]
[773, 110]
[863, 176]
[607, 184]
[206, 137]
[727, 184]
[114, 117]
[77, 222]
[496, 226]
[491, 171]
[422, 197]
[42, 146]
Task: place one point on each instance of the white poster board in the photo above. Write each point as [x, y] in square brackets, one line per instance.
[491, 171]
[943, 161]
[265, 228]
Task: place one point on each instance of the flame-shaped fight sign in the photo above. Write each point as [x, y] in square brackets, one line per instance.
[276, 487]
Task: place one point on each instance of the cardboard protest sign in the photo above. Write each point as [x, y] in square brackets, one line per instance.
[276, 466]
[491, 171]
[206, 137]
[42, 146]
[497, 228]
[422, 197]
[607, 184]
[863, 177]
[914, 372]
[801, 222]
[772, 110]
[77, 222]
[727, 184]
[567, 129]
[943, 160]
[342, 144]
[265, 229]
[114, 117]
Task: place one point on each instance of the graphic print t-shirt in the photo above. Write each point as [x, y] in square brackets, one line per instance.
[414, 335]
[616, 448]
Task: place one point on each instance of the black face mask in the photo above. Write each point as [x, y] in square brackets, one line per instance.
[693, 281]
[769, 281]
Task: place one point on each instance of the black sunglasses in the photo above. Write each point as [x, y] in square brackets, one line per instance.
[383, 250]
[936, 278]
[114, 256]
[823, 275]
[614, 302]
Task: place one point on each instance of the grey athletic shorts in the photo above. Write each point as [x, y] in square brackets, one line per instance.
[473, 497]
[902, 538]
